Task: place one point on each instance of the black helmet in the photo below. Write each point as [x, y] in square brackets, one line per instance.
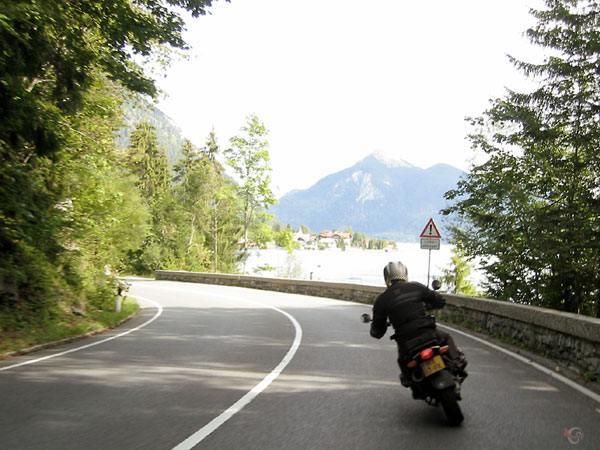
[395, 271]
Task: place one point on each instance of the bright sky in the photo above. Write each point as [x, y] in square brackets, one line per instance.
[336, 80]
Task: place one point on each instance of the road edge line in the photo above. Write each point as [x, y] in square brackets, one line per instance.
[83, 347]
[530, 362]
[214, 424]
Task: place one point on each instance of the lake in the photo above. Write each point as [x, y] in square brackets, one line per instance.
[353, 265]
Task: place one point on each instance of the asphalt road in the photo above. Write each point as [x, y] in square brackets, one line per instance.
[227, 368]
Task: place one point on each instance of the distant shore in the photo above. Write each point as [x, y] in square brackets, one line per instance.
[352, 265]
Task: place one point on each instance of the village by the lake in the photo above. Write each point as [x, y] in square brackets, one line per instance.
[331, 256]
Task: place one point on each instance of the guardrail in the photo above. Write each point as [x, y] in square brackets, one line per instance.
[570, 339]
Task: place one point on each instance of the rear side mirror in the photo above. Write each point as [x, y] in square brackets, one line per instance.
[436, 285]
[365, 318]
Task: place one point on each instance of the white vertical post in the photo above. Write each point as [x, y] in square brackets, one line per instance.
[428, 267]
[119, 299]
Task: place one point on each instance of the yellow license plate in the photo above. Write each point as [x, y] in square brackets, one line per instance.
[433, 365]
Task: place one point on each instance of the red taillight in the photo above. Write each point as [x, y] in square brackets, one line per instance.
[427, 353]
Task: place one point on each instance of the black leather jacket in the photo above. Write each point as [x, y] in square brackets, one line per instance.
[406, 305]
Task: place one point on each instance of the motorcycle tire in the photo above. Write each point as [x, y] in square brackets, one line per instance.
[450, 405]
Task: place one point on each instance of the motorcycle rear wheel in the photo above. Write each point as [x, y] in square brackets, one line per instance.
[451, 408]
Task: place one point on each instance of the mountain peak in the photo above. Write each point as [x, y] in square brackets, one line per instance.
[388, 159]
[380, 196]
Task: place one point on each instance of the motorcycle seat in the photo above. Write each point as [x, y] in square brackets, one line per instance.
[419, 342]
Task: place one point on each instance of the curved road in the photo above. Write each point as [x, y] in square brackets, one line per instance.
[212, 367]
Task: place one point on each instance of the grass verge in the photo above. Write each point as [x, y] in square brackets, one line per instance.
[65, 327]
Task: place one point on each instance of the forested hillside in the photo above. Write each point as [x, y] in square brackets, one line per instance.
[531, 210]
[77, 208]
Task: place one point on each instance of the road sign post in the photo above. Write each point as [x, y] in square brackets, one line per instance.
[430, 240]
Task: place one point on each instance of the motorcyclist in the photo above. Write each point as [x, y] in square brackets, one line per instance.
[405, 305]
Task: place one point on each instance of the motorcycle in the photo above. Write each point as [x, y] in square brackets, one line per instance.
[432, 375]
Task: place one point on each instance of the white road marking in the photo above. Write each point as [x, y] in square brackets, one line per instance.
[533, 364]
[207, 429]
[83, 347]
[214, 424]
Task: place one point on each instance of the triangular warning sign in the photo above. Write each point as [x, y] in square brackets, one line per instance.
[431, 231]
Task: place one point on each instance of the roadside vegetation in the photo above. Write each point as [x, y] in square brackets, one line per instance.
[77, 209]
[455, 277]
[530, 212]
[18, 338]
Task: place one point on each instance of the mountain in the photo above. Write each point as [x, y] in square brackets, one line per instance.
[378, 196]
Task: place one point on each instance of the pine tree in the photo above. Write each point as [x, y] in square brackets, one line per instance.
[148, 161]
[209, 206]
[455, 277]
[532, 210]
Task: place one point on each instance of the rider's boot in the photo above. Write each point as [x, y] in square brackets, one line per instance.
[405, 379]
[460, 365]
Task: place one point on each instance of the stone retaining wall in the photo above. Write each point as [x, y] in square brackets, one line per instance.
[570, 339]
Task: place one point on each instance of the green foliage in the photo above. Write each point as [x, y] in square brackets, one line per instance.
[210, 206]
[81, 218]
[225, 228]
[28, 296]
[50, 51]
[103, 207]
[455, 277]
[263, 234]
[139, 110]
[196, 216]
[76, 209]
[285, 239]
[249, 158]
[531, 211]
[68, 212]
[64, 325]
[359, 240]
[377, 244]
[148, 161]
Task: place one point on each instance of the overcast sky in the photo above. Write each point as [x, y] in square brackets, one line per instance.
[336, 80]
